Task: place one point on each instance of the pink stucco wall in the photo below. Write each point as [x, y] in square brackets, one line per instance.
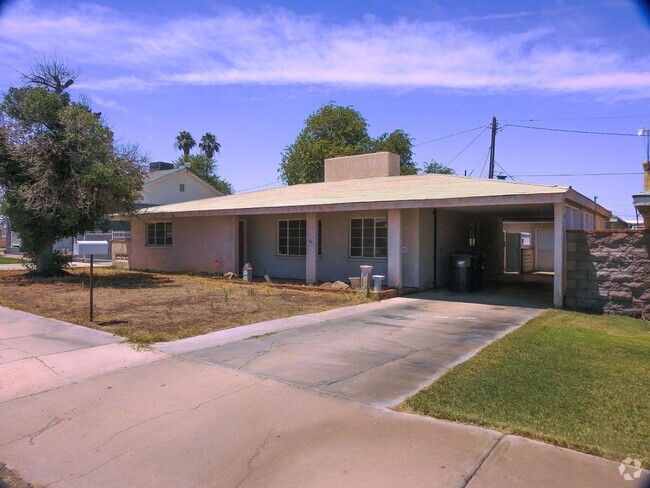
[197, 243]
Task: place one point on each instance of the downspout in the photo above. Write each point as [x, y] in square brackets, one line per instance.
[435, 248]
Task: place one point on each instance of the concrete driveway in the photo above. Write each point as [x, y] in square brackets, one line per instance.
[377, 354]
[78, 408]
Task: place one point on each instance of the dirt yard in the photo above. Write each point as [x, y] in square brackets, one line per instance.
[152, 307]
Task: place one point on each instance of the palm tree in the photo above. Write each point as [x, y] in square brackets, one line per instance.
[209, 144]
[184, 142]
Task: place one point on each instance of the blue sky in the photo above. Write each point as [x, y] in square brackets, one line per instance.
[251, 72]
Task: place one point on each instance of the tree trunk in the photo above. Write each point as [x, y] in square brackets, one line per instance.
[44, 264]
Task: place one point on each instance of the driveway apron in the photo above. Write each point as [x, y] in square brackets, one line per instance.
[379, 355]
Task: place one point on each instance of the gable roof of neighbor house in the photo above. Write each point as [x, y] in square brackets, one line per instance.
[429, 190]
[154, 177]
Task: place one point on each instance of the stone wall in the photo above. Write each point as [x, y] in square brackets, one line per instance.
[608, 271]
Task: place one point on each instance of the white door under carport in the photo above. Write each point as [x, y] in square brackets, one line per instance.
[544, 251]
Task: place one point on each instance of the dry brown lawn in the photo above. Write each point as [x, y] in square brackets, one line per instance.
[153, 307]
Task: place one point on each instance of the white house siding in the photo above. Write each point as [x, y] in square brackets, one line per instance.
[167, 190]
[197, 243]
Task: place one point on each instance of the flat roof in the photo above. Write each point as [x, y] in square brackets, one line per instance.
[376, 192]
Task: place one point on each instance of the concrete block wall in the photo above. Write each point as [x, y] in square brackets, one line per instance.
[608, 271]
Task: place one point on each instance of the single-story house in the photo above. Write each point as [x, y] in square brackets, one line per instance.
[364, 213]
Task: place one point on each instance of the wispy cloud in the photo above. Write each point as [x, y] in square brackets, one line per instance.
[277, 47]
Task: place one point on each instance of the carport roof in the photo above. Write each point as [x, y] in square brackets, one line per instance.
[369, 193]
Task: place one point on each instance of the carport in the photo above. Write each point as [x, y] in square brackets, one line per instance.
[364, 213]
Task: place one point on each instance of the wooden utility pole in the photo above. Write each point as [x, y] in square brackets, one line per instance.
[494, 136]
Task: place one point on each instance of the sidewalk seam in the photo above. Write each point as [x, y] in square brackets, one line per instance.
[482, 462]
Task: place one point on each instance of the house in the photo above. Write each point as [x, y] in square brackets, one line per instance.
[163, 185]
[642, 200]
[364, 213]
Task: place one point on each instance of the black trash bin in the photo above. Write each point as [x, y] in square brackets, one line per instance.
[466, 271]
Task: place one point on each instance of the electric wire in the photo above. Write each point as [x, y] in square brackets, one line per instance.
[487, 155]
[463, 150]
[579, 174]
[450, 135]
[571, 130]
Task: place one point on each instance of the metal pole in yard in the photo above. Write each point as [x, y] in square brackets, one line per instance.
[91, 286]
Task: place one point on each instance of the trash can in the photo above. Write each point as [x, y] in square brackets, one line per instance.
[462, 271]
[377, 282]
[366, 273]
[247, 272]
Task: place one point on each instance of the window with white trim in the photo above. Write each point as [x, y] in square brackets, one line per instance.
[159, 234]
[292, 237]
[369, 237]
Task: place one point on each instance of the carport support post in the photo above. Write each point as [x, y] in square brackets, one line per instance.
[558, 258]
[394, 248]
[311, 259]
[91, 286]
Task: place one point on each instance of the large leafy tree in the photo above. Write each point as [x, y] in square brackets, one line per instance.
[184, 142]
[61, 172]
[334, 131]
[439, 168]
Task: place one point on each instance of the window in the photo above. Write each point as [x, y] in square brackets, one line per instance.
[369, 238]
[181, 187]
[292, 237]
[159, 234]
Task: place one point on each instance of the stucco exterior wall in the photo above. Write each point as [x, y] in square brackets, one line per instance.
[197, 243]
[167, 190]
[362, 166]
[334, 264]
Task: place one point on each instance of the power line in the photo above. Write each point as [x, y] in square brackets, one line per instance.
[463, 150]
[448, 136]
[260, 186]
[487, 155]
[579, 174]
[507, 174]
[582, 118]
[574, 131]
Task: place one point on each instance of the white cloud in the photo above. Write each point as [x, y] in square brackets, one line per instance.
[276, 47]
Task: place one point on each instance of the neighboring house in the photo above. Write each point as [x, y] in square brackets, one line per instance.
[163, 185]
[4, 228]
[642, 200]
[364, 213]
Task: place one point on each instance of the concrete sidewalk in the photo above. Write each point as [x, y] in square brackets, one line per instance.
[80, 409]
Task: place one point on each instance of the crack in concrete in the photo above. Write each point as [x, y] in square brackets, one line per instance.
[187, 409]
[251, 460]
[33, 435]
[471, 475]
[369, 369]
[259, 356]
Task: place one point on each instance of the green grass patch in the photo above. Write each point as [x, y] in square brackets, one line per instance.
[9, 260]
[572, 379]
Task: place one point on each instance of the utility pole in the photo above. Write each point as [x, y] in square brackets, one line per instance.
[494, 136]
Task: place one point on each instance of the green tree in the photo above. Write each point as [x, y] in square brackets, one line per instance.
[61, 172]
[398, 142]
[184, 142]
[434, 167]
[334, 131]
[209, 145]
[205, 168]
